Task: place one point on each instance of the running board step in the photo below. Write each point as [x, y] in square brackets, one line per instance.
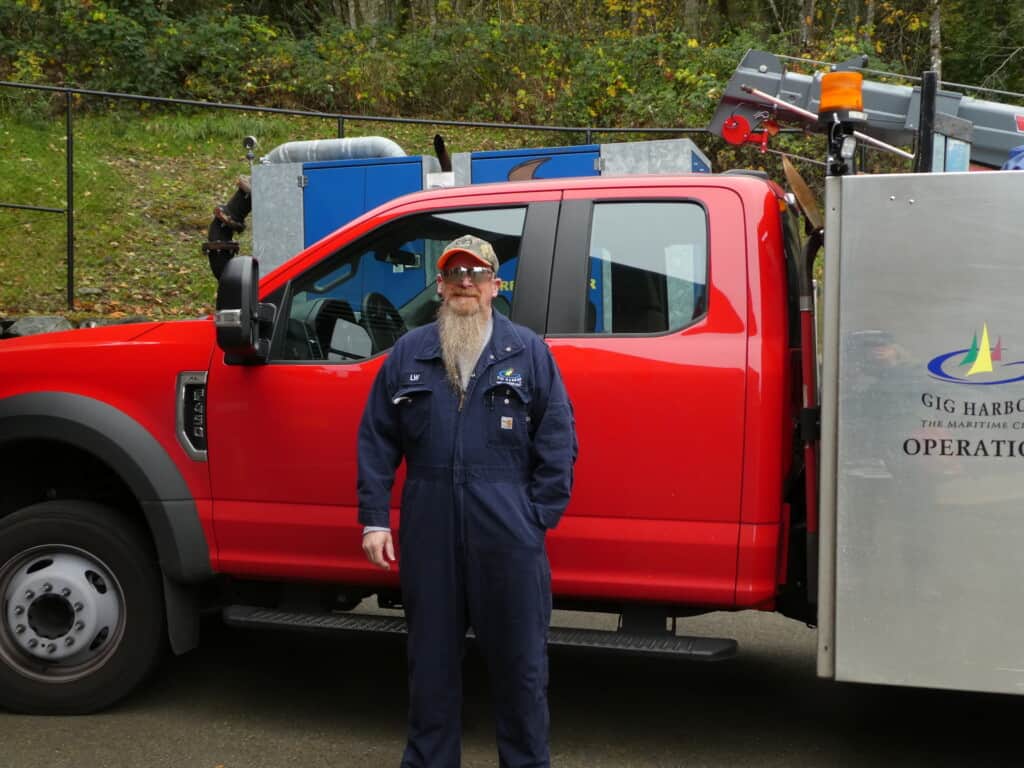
[698, 648]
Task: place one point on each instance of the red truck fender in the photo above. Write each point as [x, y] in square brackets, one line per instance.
[135, 456]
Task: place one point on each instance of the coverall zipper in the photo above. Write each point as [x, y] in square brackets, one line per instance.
[458, 471]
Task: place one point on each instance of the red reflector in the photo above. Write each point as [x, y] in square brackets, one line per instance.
[1020, 123]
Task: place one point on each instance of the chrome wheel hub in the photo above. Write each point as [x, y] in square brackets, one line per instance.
[61, 606]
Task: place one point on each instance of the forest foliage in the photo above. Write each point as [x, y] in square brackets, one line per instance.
[568, 62]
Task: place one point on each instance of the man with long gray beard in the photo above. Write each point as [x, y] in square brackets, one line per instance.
[476, 406]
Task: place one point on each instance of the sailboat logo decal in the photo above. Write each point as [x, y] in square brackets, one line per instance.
[981, 363]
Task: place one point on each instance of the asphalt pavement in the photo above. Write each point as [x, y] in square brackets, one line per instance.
[250, 699]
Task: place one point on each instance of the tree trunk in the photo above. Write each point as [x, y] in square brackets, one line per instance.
[394, 12]
[421, 11]
[372, 11]
[936, 37]
[807, 25]
[775, 14]
[869, 26]
[691, 17]
[352, 13]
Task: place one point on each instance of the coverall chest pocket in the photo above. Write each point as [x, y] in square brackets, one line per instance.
[508, 409]
[413, 404]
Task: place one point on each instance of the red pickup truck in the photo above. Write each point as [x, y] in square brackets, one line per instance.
[154, 471]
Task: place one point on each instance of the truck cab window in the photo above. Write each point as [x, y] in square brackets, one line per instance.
[357, 302]
[647, 267]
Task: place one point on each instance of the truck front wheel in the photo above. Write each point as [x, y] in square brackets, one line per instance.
[81, 622]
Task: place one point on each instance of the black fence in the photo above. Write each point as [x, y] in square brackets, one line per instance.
[587, 133]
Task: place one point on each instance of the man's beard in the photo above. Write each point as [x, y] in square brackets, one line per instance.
[461, 329]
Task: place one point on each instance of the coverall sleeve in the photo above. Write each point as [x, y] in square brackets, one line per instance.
[554, 442]
[379, 451]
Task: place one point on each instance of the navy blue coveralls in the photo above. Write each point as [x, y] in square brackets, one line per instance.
[484, 483]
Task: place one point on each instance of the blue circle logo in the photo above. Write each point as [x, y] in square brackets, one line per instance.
[981, 364]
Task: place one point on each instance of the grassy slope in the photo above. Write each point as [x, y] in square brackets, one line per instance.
[145, 186]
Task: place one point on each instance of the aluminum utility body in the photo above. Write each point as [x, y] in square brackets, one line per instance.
[155, 470]
[923, 431]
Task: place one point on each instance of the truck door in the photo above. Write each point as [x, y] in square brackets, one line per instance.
[648, 324]
[282, 436]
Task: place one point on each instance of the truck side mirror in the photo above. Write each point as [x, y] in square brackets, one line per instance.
[243, 324]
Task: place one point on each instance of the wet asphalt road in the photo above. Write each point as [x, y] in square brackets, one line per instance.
[260, 700]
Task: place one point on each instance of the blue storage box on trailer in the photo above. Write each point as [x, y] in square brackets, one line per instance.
[520, 164]
[628, 157]
[338, 191]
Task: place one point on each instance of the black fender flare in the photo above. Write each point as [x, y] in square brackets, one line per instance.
[132, 453]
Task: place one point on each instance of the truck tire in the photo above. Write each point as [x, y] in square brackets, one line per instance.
[81, 618]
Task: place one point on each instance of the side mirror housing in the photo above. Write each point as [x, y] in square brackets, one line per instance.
[243, 324]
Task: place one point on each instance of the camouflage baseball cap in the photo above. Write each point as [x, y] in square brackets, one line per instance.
[473, 246]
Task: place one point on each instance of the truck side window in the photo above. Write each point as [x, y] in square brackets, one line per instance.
[647, 267]
[358, 301]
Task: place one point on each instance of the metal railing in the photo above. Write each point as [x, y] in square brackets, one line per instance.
[588, 132]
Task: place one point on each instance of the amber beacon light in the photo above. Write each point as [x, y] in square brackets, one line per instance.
[842, 92]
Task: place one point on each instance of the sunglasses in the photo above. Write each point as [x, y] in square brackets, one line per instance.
[456, 275]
